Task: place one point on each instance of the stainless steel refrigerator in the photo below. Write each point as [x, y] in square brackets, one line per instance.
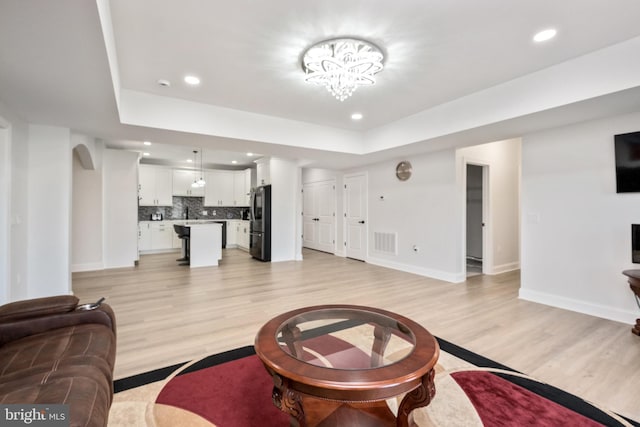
[260, 217]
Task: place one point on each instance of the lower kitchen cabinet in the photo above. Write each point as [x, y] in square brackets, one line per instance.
[243, 235]
[144, 236]
[155, 236]
[232, 233]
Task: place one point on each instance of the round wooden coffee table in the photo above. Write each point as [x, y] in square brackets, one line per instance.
[335, 365]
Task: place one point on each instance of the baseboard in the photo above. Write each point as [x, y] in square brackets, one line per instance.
[597, 310]
[90, 266]
[503, 268]
[427, 272]
[159, 251]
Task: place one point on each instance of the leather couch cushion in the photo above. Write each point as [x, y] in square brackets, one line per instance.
[83, 388]
[77, 345]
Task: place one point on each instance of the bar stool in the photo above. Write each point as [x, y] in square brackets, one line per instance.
[184, 234]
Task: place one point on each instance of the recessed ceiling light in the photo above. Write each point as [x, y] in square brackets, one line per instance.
[250, 154]
[192, 80]
[164, 83]
[146, 154]
[146, 143]
[234, 161]
[356, 116]
[545, 35]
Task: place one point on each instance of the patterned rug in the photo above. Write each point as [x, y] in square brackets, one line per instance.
[232, 389]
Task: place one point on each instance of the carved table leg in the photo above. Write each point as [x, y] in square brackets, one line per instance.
[292, 339]
[288, 401]
[382, 336]
[416, 398]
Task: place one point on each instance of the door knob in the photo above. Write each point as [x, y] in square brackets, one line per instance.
[361, 222]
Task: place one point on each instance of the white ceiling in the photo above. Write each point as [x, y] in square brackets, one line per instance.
[79, 63]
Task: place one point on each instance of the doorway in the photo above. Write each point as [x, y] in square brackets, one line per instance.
[475, 208]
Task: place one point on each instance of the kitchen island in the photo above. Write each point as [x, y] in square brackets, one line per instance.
[205, 243]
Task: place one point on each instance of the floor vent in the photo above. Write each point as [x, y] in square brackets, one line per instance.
[385, 242]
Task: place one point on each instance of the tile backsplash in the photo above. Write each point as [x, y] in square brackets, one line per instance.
[192, 205]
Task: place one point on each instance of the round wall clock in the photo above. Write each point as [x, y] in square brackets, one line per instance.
[403, 170]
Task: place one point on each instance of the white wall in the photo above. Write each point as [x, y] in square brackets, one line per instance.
[576, 231]
[18, 203]
[120, 201]
[86, 233]
[424, 211]
[5, 205]
[503, 160]
[285, 210]
[49, 211]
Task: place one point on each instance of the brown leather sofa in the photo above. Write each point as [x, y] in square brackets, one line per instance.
[54, 351]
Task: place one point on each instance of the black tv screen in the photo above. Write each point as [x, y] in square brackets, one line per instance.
[627, 148]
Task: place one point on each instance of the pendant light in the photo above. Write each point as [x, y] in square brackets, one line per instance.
[194, 184]
[201, 182]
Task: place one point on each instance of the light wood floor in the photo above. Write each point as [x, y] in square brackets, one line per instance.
[168, 314]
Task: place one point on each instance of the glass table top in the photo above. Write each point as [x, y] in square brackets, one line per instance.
[345, 338]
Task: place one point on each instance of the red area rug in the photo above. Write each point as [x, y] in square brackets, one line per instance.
[502, 403]
[233, 394]
[233, 389]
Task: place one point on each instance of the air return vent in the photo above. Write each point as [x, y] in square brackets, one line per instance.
[385, 242]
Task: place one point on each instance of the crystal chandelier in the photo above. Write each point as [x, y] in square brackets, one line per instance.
[341, 65]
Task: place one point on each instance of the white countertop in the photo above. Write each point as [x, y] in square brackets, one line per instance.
[193, 221]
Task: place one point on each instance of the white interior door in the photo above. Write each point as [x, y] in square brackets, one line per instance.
[309, 211]
[318, 217]
[355, 216]
[325, 193]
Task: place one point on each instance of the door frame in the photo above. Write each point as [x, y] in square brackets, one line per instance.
[365, 197]
[487, 230]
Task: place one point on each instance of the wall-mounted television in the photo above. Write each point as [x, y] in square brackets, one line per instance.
[627, 149]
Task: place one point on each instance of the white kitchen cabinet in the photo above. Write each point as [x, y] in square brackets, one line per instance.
[263, 171]
[144, 236]
[219, 188]
[232, 233]
[243, 234]
[240, 187]
[182, 183]
[161, 235]
[156, 236]
[155, 186]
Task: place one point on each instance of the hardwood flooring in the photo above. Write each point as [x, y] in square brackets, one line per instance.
[168, 314]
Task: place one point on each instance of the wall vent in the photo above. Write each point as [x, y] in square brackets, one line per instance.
[385, 242]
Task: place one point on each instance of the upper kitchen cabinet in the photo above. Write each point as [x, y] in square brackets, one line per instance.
[242, 187]
[263, 171]
[155, 186]
[218, 190]
[227, 188]
[182, 183]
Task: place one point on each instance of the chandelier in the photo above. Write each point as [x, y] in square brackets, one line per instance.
[341, 65]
